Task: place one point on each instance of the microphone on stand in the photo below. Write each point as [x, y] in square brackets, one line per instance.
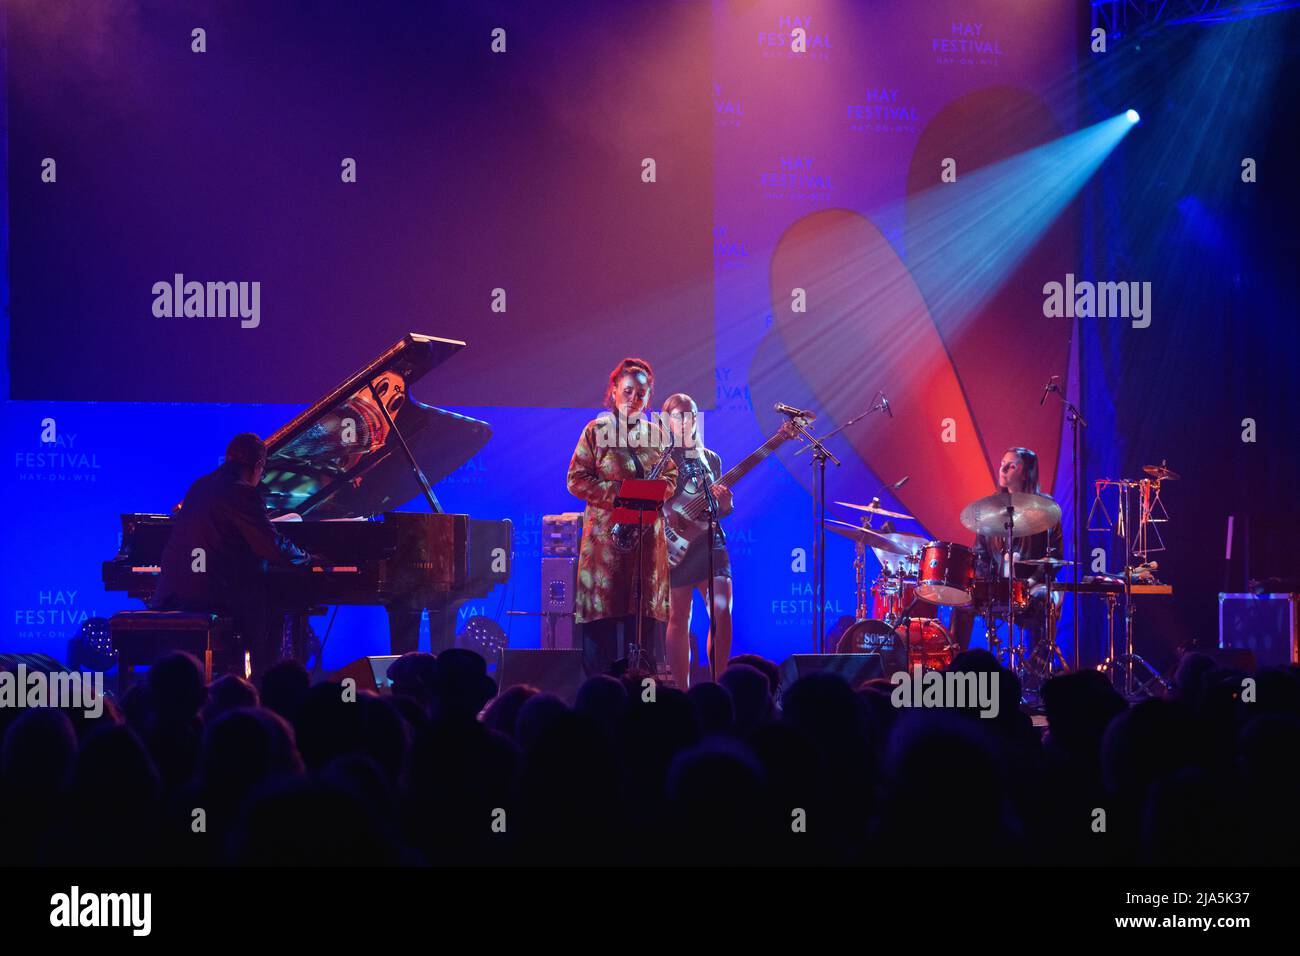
[1050, 387]
[900, 482]
[885, 406]
[793, 412]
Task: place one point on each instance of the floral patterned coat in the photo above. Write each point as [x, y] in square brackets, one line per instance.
[606, 575]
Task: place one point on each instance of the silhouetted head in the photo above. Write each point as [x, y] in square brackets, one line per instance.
[284, 687]
[461, 685]
[38, 753]
[713, 708]
[1189, 678]
[502, 715]
[246, 748]
[1079, 707]
[767, 668]
[603, 699]
[226, 693]
[412, 675]
[176, 689]
[721, 772]
[537, 714]
[751, 696]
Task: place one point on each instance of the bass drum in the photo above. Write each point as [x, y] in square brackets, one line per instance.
[931, 646]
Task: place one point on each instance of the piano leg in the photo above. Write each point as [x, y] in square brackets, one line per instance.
[403, 628]
[442, 626]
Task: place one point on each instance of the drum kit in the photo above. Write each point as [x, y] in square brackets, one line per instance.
[917, 576]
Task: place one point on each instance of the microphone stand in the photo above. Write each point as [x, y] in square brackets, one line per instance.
[820, 456]
[712, 503]
[875, 407]
[1076, 461]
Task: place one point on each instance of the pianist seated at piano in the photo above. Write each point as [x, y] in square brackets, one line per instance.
[220, 540]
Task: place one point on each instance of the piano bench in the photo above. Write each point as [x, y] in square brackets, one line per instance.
[141, 637]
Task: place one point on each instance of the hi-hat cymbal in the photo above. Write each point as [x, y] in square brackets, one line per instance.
[875, 509]
[1031, 513]
[1046, 562]
[1160, 472]
[893, 542]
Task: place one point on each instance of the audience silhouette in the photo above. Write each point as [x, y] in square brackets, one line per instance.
[444, 770]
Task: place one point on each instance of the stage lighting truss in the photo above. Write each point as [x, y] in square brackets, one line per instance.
[1134, 18]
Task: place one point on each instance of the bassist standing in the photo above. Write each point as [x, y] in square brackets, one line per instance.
[698, 469]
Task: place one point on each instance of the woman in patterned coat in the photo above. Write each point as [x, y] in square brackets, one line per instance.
[617, 445]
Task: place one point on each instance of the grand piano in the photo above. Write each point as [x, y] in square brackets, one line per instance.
[333, 475]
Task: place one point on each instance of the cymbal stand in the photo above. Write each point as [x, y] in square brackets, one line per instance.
[992, 615]
[1076, 461]
[1009, 566]
[860, 578]
[1051, 650]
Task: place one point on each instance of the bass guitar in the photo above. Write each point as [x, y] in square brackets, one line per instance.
[686, 516]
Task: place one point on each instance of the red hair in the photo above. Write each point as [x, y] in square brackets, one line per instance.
[628, 366]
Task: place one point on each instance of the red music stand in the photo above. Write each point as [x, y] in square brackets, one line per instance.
[637, 504]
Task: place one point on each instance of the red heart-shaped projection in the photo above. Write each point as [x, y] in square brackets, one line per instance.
[969, 374]
[867, 327]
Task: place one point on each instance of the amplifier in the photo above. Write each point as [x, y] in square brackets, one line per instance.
[559, 581]
[1264, 624]
[562, 534]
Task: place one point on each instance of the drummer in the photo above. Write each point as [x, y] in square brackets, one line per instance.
[1017, 473]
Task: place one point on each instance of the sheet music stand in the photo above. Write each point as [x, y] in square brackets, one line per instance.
[637, 504]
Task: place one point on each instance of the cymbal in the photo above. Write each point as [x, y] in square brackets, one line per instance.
[909, 543]
[1032, 513]
[1160, 472]
[875, 509]
[1046, 562]
[891, 542]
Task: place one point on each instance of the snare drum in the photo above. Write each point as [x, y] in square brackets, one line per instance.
[947, 574]
[891, 598]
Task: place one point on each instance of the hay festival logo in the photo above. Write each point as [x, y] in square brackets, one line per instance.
[882, 110]
[967, 43]
[794, 38]
[797, 178]
[728, 110]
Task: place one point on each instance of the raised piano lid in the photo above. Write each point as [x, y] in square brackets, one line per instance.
[338, 460]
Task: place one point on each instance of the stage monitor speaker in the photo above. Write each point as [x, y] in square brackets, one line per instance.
[558, 672]
[370, 673]
[1265, 624]
[559, 582]
[854, 668]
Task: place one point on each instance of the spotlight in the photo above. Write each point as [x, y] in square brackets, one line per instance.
[1132, 116]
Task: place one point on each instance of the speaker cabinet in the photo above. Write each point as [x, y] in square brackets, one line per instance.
[854, 668]
[558, 672]
[559, 581]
